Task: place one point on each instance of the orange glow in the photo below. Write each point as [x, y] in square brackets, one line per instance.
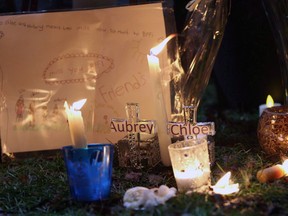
[273, 173]
[224, 187]
[157, 49]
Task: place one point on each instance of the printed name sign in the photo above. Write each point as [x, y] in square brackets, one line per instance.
[201, 128]
[132, 127]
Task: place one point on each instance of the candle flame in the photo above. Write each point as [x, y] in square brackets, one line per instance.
[224, 187]
[76, 105]
[157, 49]
[79, 104]
[224, 181]
[269, 101]
[76, 124]
[191, 171]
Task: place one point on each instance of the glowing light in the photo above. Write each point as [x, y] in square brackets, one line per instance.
[224, 187]
[269, 101]
[79, 104]
[76, 124]
[157, 49]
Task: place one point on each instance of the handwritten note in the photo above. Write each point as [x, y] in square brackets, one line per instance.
[48, 58]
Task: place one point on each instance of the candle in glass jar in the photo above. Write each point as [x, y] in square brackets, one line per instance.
[191, 178]
[191, 164]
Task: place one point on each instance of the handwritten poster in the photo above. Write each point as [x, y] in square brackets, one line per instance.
[48, 58]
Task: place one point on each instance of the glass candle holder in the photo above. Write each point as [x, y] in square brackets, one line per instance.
[272, 131]
[89, 171]
[191, 164]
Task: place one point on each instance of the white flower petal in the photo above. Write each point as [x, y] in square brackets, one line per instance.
[135, 197]
[144, 198]
[163, 193]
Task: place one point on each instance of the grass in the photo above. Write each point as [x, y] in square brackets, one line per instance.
[37, 185]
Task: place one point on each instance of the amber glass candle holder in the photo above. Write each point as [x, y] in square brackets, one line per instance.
[273, 131]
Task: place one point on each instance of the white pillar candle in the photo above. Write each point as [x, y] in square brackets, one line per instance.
[159, 104]
[76, 124]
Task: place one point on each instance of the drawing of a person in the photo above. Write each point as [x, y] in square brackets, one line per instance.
[44, 113]
[31, 111]
[19, 108]
[55, 110]
[106, 126]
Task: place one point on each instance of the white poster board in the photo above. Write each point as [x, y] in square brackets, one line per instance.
[48, 58]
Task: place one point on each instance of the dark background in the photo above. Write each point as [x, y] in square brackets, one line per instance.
[246, 68]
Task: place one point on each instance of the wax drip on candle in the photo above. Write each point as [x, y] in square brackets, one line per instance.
[76, 124]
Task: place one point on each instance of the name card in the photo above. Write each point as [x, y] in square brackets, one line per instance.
[118, 125]
[201, 128]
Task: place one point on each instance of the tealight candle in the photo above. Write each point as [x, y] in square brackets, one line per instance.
[273, 173]
[269, 103]
[270, 174]
[190, 163]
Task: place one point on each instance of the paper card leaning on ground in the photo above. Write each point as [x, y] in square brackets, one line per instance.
[98, 54]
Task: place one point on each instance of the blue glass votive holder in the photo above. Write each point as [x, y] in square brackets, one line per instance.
[89, 171]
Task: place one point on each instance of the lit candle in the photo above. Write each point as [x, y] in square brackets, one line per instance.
[76, 124]
[273, 173]
[191, 164]
[192, 178]
[158, 100]
[223, 186]
[269, 103]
